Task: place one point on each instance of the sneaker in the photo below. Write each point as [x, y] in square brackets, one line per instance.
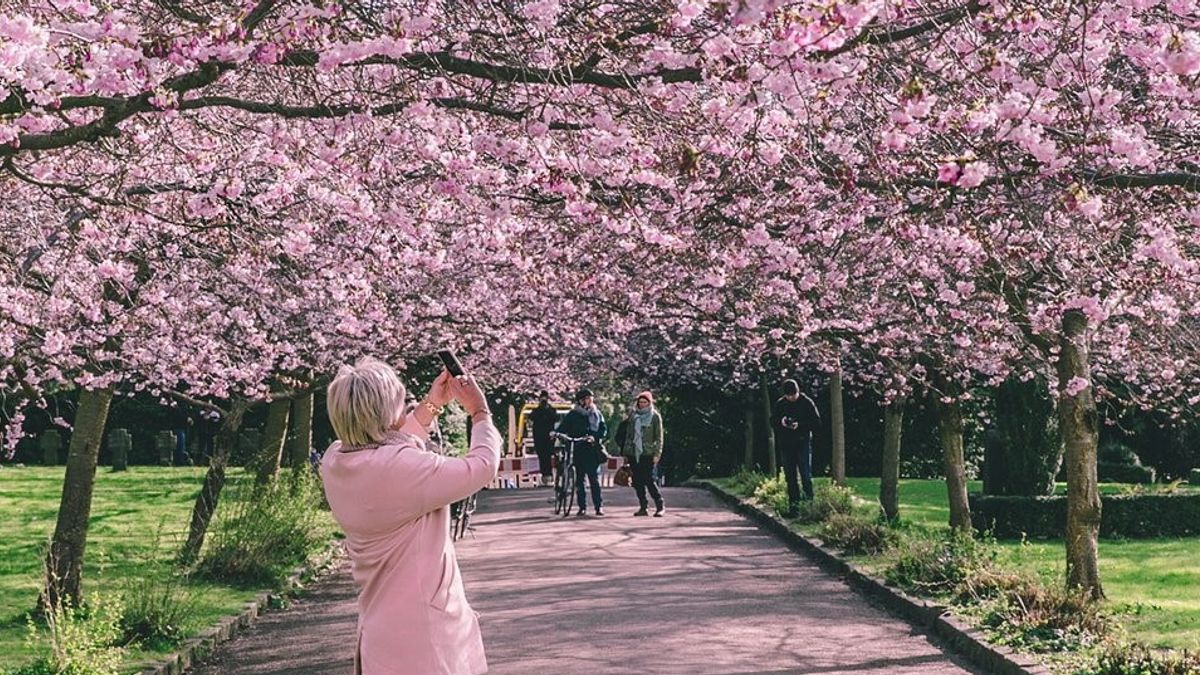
[641, 512]
[658, 512]
[581, 512]
[599, 512]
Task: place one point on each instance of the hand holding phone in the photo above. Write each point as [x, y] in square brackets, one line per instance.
[450, 360]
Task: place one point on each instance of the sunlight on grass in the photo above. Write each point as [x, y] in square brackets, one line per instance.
[129, 511]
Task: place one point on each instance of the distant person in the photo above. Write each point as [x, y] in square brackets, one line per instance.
[181, 422]
[643, 449]
[587, 422]
[207, 425]
[390, 496]
[544, 418]
[794, 419]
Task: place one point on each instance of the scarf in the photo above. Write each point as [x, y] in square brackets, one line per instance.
[641, 420]
[593, 418]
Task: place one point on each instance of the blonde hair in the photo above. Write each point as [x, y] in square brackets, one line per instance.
[364, 400]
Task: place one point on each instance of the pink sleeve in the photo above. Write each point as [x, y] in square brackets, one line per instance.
[449, 479]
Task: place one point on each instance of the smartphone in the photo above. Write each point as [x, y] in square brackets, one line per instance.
[451, 362]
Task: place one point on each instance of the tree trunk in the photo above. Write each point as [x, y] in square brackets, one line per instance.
[274, 437]
[748, 462]
[838, 421]
[214, 481]
[772, 464]
[1080, 426]
[889, 482]
[64, 560]
[302, 418]
[950, 426]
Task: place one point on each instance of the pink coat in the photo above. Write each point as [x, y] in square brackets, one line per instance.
[392, 502]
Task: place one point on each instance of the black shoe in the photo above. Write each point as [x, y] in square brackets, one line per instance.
[658, 512]
[641, 512]
[581, 512]
[599, 512]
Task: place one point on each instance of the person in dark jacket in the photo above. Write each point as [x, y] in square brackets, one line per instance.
[794, 419]
[544, 418]
[586, 421]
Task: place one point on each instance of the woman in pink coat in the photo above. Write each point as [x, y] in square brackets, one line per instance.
[390, 496]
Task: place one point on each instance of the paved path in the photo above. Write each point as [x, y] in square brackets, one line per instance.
[700, 591]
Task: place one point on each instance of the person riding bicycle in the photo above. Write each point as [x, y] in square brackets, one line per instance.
[586, 421]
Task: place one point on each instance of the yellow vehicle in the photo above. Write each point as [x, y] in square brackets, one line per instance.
[523, 440]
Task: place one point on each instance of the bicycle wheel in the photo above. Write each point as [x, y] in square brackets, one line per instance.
[570, 490]
[560, 493]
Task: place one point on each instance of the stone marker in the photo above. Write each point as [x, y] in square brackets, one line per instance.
[164, 442]
[51, 444]
[119, 444]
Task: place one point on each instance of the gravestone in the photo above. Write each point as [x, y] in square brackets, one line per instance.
[51, 443]
[164, 442]
[119, 444]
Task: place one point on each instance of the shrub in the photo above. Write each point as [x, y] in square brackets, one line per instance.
[158, 609]
[1111, 472]
[262, 535]
[939, 566]
[1138, 660]
[80, 640]
[827, 500]
[772, 492]
[1032, 615]
[1128, 515]
[745, 481]
[858, 535]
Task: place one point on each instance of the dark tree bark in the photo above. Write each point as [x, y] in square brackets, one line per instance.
[837, 419]
[889, 483]
[214, 481]
[64, 560]
[274, 436]
[772, 462]
[1079, 422]
[302, 417]
[950, 427]
[748, 461]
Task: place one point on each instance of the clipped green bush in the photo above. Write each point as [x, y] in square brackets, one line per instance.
[1131, 516]
[939, 566]
[266, 531]
[858, 535]
[1110, 472]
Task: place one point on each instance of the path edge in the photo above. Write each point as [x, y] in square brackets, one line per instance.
[194, 650]
[933, 617]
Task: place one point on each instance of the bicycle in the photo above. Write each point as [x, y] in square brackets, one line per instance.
[460, 516]
[564, 476]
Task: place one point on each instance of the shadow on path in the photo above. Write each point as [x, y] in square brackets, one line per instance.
[699, 591]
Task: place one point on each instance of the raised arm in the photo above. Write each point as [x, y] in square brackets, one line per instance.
[449, 479]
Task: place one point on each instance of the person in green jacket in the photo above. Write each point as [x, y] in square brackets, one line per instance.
[643, 448]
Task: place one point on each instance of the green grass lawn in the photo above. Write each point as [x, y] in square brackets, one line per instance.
[1153, 583]
[137, 516]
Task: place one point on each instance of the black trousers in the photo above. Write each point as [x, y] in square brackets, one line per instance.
[643, 480]
[797, 459]
[544, 447]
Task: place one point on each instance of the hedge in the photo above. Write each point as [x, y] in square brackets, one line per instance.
[1112, 472]
[1194, 477]
[1131, 516]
